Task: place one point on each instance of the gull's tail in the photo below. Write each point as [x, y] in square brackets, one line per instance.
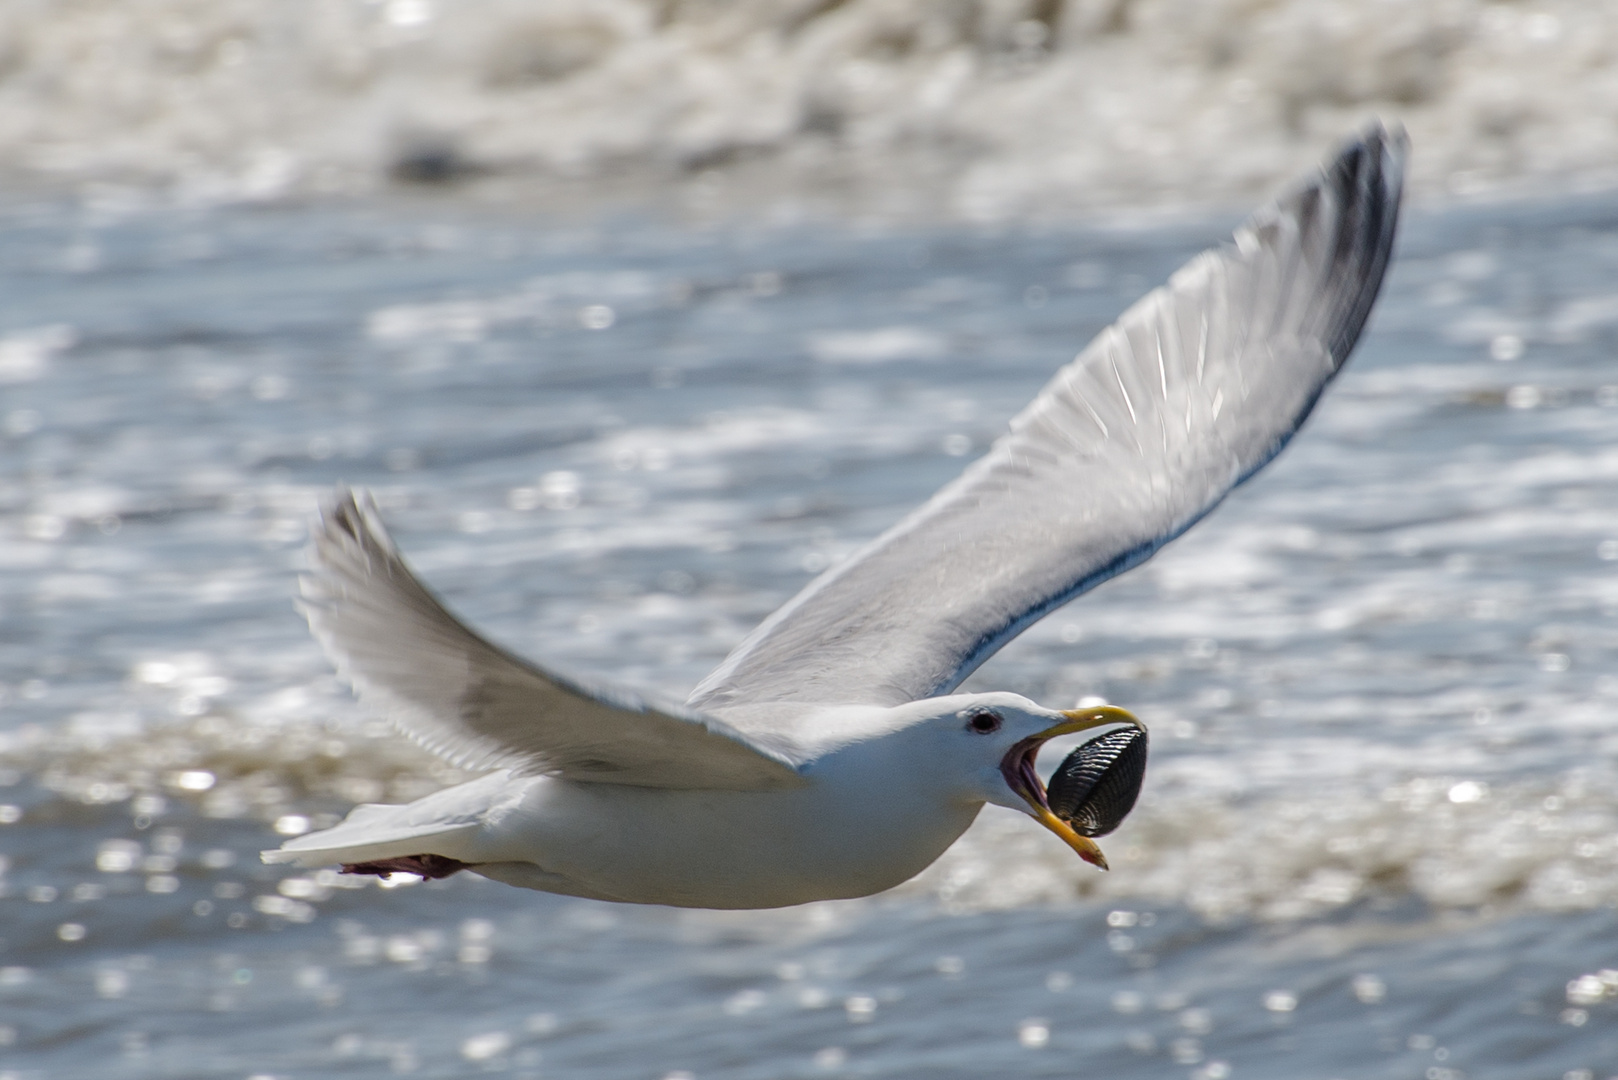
[442, 826]
[372, 833]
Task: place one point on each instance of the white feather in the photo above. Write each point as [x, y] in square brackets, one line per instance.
[479, 706]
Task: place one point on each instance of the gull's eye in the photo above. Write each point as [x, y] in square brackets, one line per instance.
[984, 723]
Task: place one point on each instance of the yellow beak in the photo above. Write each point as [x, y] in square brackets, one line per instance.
[1018, 769]
[1087, 848]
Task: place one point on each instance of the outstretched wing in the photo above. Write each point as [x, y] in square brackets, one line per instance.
[480, 707]
[1195, 388]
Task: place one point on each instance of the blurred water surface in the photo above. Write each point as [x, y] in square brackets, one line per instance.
[971, 109]
[1380, 832]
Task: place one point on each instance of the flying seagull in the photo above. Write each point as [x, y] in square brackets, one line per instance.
[828, 756]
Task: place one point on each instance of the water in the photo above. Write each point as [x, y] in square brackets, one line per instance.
[977, 108]
[1379, 837]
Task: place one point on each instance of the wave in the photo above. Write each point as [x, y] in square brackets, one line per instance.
[995, 107]
[1205, 837]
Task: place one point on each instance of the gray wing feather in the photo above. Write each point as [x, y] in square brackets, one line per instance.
[1195, 388]
[479, 706]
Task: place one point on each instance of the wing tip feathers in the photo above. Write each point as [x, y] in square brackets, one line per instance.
[1353, 198]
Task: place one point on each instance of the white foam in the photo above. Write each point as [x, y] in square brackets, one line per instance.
[1004, 107]
[878, 346]
[559, 299]
[25, 355]
[1525, 845]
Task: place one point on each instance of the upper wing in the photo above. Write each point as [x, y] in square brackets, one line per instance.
[1189, 393]
[481, 707]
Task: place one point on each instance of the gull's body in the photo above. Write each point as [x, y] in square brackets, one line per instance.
[828, 757]
[710, 848]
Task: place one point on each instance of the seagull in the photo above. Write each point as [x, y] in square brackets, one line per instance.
[829, 755]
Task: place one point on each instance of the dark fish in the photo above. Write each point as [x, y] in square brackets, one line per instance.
[1096, 787]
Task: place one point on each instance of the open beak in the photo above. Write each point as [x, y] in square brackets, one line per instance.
[1018, 769]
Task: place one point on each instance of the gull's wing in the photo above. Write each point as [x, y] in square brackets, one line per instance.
[480, 707]
[1189, 393]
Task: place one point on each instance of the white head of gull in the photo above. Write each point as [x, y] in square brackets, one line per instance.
[828, 756]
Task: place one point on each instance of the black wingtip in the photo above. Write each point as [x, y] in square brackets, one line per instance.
[352, 512]
[342, 511]
[1368, 171]
[1366, 181]
[1353, 206]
